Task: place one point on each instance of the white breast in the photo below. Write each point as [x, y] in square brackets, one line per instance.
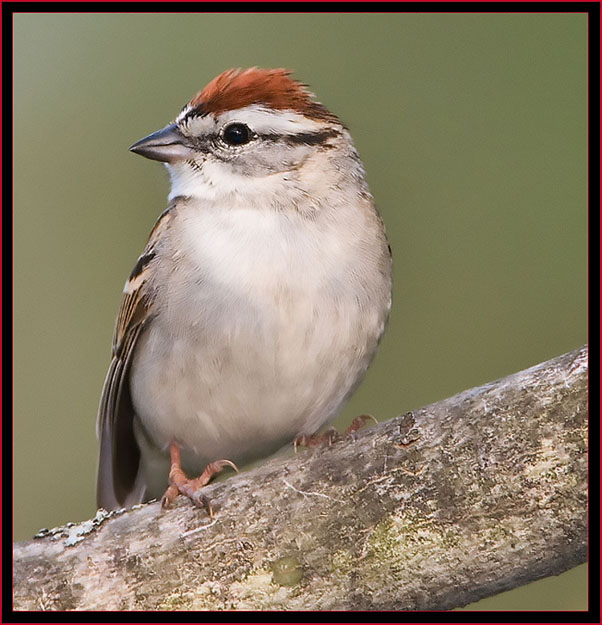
[264, 323]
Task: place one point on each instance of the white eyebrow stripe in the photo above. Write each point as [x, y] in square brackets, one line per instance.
[183, 114]
[264, 120]
[198, 125]
[259, 118]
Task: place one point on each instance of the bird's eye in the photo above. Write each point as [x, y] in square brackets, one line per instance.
[236, 134]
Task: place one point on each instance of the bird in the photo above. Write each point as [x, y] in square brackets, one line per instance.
[259, 301]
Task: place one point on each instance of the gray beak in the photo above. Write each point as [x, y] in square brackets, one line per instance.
[167, 145]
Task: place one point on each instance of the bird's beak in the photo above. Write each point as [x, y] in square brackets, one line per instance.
[167, 145]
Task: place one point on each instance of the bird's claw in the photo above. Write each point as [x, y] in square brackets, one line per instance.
[331, 436]
[180, 484]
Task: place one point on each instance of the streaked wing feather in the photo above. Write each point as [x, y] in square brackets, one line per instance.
[119, 453]
[119, 457]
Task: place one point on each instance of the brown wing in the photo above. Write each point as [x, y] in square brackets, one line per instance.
[119, 457]
[119, 453]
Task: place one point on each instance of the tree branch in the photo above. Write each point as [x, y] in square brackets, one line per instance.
[437, 508]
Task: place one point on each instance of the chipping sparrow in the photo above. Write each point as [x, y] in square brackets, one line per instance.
[259, 300]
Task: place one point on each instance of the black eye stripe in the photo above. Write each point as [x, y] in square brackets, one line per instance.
[307, 138]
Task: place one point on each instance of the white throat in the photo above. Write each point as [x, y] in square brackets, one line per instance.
[212, 182]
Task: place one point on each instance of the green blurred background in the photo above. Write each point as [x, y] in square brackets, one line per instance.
[472, 128]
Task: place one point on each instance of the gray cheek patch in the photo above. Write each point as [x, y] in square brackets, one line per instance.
[261, 158]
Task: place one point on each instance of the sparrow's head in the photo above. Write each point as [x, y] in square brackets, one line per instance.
[243, 127]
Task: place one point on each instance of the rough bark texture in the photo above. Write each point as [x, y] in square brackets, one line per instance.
[473, 495]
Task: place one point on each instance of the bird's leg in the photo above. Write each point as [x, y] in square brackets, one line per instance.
[179, 484]
[331, 436]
